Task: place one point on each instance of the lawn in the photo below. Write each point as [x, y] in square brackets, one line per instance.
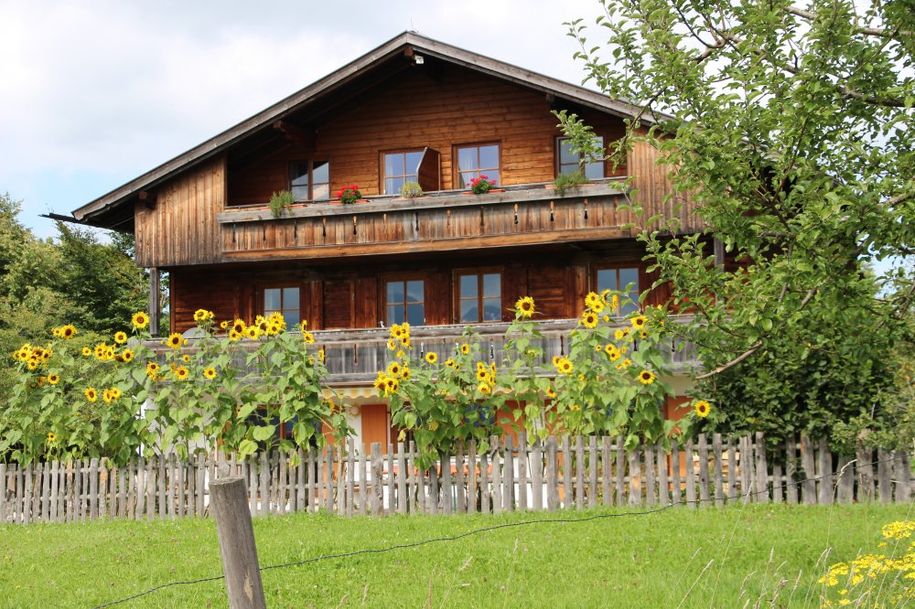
[674, 558]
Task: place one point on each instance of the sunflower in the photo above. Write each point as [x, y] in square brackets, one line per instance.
[152, 370]
[57, 332]
[276, 318]
[32, 365]
[100, 350]
[484, 388]
[550, 393]
[91, 394]
[392, 346]
[126, 356]
[465, 349]
[139, 320]
[224, 325]
[594, 302]
[564, 365]
[67, 332]
[234, 336]
[624, 364]
[53, 378]
[556, 360]
[702, 408]
[202, 315]
[52, 437]
[209, 373]
[638, 322]
[238, 326]
[589, 319]
[322, 355]
[181, 373]
[432, 357]
[106, 395]
[120, 337]
[109, 354]
[308, 337]
[405, 340]
[380, 381]
[646, 377]
[482, 374]
[524, 308]
[405, 373]
[612, 352]
[450, 363]
[400, 354]
[252, 332]
[87, 352]
[303, 325]
[115, 393]
[396, 331]
[175, 341]
[390, 385]
[394, 369]
[621, 333]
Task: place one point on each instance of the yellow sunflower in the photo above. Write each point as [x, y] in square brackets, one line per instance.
[152, 370]
[702, 408]
[57, 332]
[224, 325]
[68, 331]
[87, 352]
[53, 378]
[646, 377]
[525, 308]
[91, 394]
[396, 331]
[432, 357]
[450, 363]
[594, 302]
[252, 332]
[181, 373]
[109, 354]
[405, 373]
[621, 333]
[238, 326]
[612, 352]
[394, 369]
[565, 366]
[308, 337]
[234, 336]
[638, 322]
[550, 393]
[115, 393]
[175, 341]
[623, 365]
[120, 337]
[484, 388]
[126, 356]
[465, 349]
[106, 395]
[209, 373]
[303, 325]
[52, 437]
[390, 385]
[140, 320]
[589, 319]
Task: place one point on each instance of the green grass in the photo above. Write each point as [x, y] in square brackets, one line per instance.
[675, 558]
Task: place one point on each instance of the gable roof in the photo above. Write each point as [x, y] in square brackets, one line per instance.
[333, 81]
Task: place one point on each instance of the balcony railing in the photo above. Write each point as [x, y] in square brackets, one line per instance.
[446, 221]
[354, 357]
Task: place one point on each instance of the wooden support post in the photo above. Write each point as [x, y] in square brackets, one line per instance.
[236, 544]
[155, 307]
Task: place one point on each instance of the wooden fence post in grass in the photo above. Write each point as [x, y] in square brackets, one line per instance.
[236, 544]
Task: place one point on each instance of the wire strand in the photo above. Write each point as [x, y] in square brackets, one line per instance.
[459, 536]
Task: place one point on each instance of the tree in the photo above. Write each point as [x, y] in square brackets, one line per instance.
[792, 130]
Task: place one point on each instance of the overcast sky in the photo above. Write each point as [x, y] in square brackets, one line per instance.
[95, 93]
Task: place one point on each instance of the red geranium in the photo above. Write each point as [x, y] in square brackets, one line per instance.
[481, 184]
[349, 194]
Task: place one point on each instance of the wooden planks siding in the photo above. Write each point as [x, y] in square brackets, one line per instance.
[181, 228]
[652, 184]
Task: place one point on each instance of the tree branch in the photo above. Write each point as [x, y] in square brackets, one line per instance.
[867, 31]
[753, 349]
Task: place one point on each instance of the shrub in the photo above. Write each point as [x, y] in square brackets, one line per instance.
[411, 190]
[280, 202]
[565, 181]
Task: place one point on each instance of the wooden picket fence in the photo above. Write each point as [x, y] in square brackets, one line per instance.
[513, 475]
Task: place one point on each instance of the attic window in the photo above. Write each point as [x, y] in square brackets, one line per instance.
[309, 180]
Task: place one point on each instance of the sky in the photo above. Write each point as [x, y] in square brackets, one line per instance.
[94, 93]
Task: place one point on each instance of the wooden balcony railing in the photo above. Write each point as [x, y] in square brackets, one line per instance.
[354, 357]
[445, 221]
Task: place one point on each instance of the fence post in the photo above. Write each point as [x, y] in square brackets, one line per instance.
[236, 544]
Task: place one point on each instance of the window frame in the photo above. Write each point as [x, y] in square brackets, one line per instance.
[455, 165]
[617, 266]
[381, 166]
[311, 182]
[558, 156]
[262, 305]
[402, 278]
[479, 272]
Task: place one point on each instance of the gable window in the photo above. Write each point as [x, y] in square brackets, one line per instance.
[309, 180]
[400, 167]
[621, 279]
[476, 160]
[283, 300]
[570, 161]
[479, 297]
[405, 300]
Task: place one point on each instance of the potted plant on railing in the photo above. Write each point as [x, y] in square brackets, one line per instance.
[349, 194]
[482, 184]
[411, 190]
[280, 202]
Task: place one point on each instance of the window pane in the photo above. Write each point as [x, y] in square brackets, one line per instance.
[492, 309]
[291, 298]
[469, 286]
[629, 275]
[394, 314]
[298, 180]
[416, 314]
[412, 162]
[566, 155]
[606, 280]
[464, 178]
[415, 291]
[469, 311]
[395, 292]
[489, 157]
[494, 177]
[594, 171]
[467, 158]
[393, 164]
[492, 285]
[389, 186]
[272, 299]
[292, 318]
[321, 172]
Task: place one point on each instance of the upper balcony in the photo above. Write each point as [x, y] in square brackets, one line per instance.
[529, 214]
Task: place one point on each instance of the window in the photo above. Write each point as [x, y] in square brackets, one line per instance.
[479, 297]
[400, 167]
[474, 161]
[309, 180]
[285, 301]
[570, 161]
[618, 279]
[405, 301]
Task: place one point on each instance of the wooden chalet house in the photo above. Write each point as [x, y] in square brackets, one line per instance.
[413, 109]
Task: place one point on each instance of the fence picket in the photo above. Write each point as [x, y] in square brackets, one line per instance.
[650, 496]
[718, 453]
[579, 473]
[865, 470]
[663, 485]
[825, 473]
[690, 476]
[676, 489]
[605, 471]
[522, 471]
[791, 471]
[446, 484]
[497, 495]
[703, 470]
[902, 475]
[635, 478]
[552, 479]
[567, 489]
[620, 472]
